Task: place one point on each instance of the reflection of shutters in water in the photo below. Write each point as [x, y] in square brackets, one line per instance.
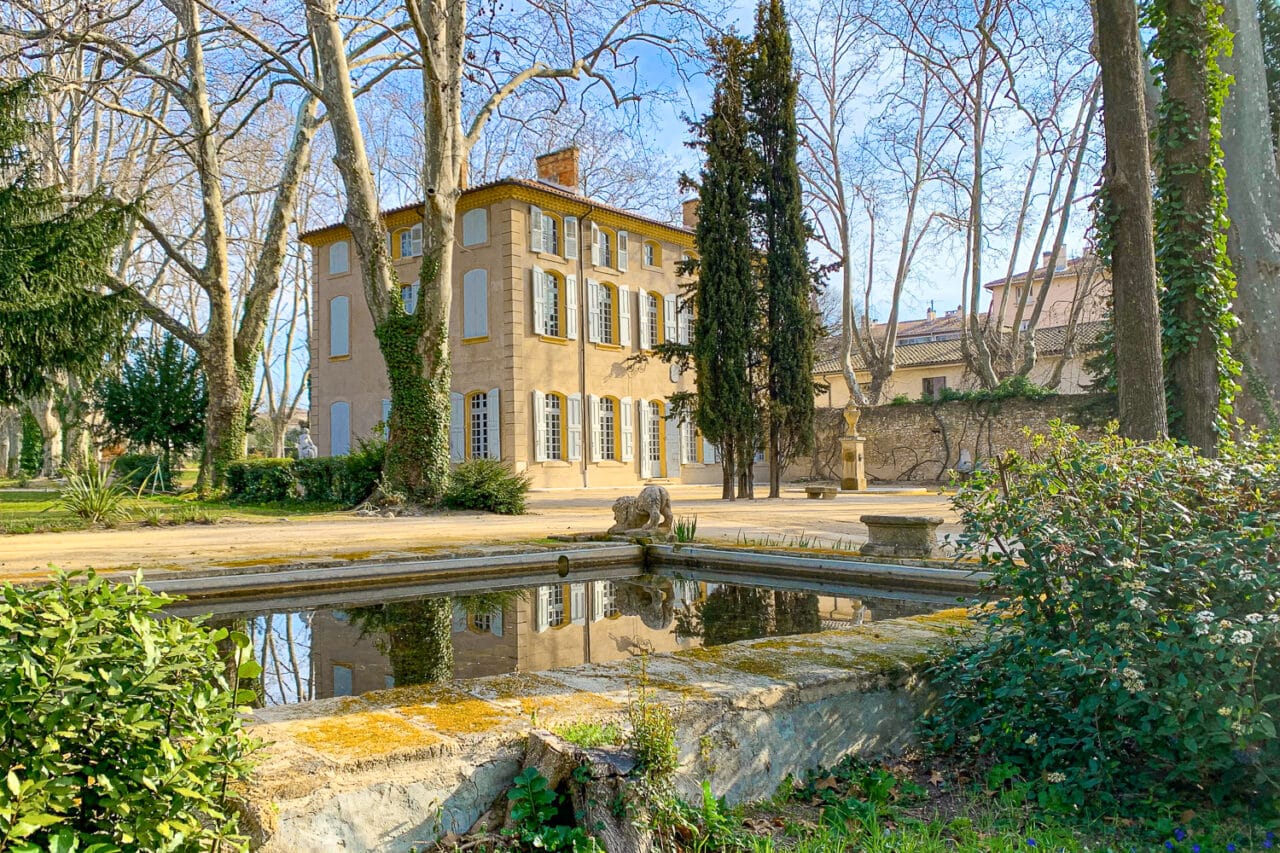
[578, 603]
[555, 607]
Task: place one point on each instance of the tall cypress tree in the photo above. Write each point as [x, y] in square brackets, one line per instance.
[724, 296]
[55, 255]
[787, 286]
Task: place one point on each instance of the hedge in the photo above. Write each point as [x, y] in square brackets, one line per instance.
[345, 480]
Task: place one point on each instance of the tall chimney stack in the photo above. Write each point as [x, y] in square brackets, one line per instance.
[560, 167]
[689, 212]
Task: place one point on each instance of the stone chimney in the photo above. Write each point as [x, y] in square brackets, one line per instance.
[560, 167]
[464, 174]
[689, 212]
[931, 314]
[1044, 259]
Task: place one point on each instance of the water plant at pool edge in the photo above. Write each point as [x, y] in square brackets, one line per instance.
[686, 528]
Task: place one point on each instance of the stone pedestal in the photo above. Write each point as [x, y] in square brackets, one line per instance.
[901, 535]
[853, 466]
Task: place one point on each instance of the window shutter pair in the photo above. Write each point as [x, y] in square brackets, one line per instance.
[622, 251]
[646, 311]
[457, 428]
[593, 310]
[539, 300]
[624, 316]
[628, 432]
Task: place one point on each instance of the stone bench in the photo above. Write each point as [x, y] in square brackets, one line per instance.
[826, 493]
[901, 535]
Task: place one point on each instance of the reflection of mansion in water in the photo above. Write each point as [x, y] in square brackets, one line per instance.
[546, 627]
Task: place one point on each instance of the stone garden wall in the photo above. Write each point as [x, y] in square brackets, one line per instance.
[921, 442]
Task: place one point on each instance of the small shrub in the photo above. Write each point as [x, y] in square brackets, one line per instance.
[653, 734]
[686, 528]
[121, 730]
[262, 481]
[534, 810]
[144, 471]
[902, 400]
[1136, 647]
[345, 480]
[488, 485]
[90, 494]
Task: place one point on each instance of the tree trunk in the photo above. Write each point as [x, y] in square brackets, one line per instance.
[1196, 276]
[726, 470]
[1127, 183]
[46, 415]
[1253, 198]
[226, 414]
[8, 446]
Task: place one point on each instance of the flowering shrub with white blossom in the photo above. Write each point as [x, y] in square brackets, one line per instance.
[1133, 643]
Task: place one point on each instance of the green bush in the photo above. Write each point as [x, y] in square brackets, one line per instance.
[144, 470]
[118, 729]
[262, 481]
[489, 485]
[345, 480]
[1137, 645]
[92, 495]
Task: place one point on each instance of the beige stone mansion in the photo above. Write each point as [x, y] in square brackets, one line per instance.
[554, 293]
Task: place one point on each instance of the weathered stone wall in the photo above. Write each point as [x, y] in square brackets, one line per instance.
[391, 770]
[921, 442]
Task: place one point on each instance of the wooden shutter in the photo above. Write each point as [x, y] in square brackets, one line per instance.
[596, 259]
[535, 228]
[669, 317]
[575, 427]
[542, 609]
[628, 434]
[578, 603]
[597, 600]
[593, 311]
[571, 238]
[475, 304]
[571, 307]
[675, 452]
[494, 414]
[593, 424]
[622, 251]
[624, 316]
[457, 427]
[539, 301]
[710, 454]
[539, 427]
[646, 337]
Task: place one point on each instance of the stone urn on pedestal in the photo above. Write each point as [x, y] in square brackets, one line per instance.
[853, 467]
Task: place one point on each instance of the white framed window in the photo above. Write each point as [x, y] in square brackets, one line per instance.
[339, 326]
[601, 246]
[690, 443]
[475, 227]
[339, 258]
[475, 304]
[653, 440]
[557, 612]
[551, 306]
[339, 428]
[553, 418]
[609, 599]
[650, 255]
[411, 242]
[607, 294]
[653, 316]
[550, 234]
[605, 436]
[409, 296]
[478, 412]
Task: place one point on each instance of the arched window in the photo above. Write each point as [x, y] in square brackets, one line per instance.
[475, 305]
[477, 409]
[605, 307]
[409, 296]
[475, 227]
[652, 328]
[545, 231]
[339, 327]
[652, 254]
[609, 427]
[557, 426]
[339, 258]
[555, 307]
[411, 242]
[653, 439]
[554, 412]
[605, 247]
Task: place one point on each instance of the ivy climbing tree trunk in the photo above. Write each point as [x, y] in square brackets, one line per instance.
[1253, 203]
[1125, 222]
[1191, 219]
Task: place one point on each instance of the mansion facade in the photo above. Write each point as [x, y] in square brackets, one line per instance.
[554, 295]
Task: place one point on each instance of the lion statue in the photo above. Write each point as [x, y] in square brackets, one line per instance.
[648, 512]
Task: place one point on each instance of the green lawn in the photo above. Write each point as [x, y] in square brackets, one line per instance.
[32, 511]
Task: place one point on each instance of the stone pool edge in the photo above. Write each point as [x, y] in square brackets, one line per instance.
[393, 769]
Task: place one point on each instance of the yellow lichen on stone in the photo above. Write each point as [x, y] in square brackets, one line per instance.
[459, 717]
[253, 561]
[359, 736]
